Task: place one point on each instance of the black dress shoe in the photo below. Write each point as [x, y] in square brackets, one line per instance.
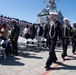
[73, 52]
[63, 58]
[55, 61]
[47, 66]
[65, 54]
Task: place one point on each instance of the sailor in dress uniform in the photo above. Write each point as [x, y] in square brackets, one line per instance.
[66, 33]
[55, 31]
[74, 38]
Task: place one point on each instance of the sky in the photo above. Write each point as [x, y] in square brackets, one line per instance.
[28, 9]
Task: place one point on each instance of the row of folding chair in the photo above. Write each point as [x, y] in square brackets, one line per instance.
[26, 44]
[29, 44]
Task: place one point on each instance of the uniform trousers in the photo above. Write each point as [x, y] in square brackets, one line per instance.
[52, 56]
[74, 44]
[64, 46]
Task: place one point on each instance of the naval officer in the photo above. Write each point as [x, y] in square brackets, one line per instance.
[74, 38]
[55, 31]
[66, 34]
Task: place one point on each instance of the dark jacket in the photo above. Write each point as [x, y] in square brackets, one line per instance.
[15, 32]
[68, 32]
[58, 30]
[74, 33]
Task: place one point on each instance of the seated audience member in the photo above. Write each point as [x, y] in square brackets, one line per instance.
[4, 36]
[4, 32]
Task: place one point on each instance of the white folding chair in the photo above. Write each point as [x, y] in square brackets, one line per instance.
[35, 43]
[43, 42]
[21, 44]
[29, 44]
